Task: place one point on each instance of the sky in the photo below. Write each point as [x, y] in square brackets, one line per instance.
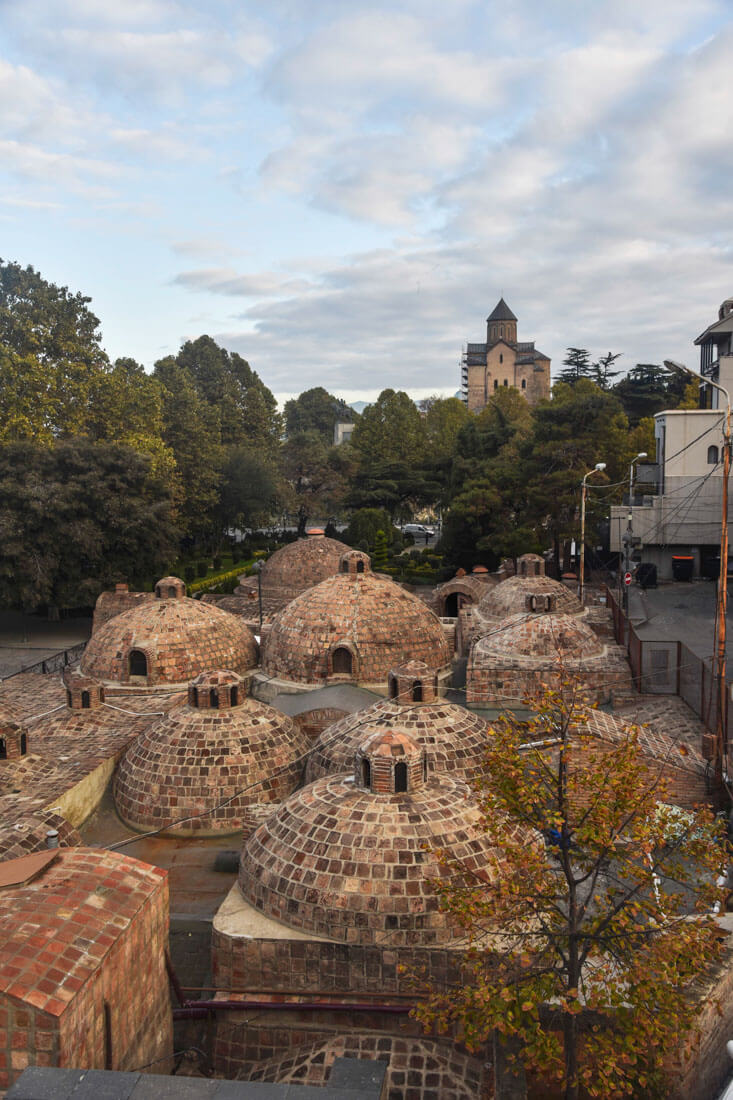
[341, 191]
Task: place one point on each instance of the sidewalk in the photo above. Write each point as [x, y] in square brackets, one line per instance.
[26, 639]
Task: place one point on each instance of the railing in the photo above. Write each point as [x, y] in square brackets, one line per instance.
[666, 667]
[54, 663]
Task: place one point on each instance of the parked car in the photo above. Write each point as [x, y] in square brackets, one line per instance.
[417, 529]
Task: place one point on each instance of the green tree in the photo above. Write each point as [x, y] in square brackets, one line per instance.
[50, 357]
[577, 365]
[581, 426]
[648, 389]
[192, 430]
[601, 370]
[397, 487]
[390, 431]
[247, 409]
[317, 410]
[381, 551]
[76, 516]
[364, 525]
[614, 919]
[444, 418]
[317, 475]
[249, 489]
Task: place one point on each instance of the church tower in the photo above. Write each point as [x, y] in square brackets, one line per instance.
[502, 362]
[501, 324]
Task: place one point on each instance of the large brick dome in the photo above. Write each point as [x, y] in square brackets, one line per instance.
[515, 595]
[220, 747]
[529, 651]
[352, 626]
[168, 640]
[351, 857]
[453, 738]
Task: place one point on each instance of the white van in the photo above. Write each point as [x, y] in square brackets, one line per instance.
[417, 529]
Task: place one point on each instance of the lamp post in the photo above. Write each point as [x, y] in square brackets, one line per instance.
[257, 568]
[629, 528]
[721, 732]
[596, 469]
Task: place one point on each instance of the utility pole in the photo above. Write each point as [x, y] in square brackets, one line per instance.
[630, 529]
[721, 727]
[599, 466]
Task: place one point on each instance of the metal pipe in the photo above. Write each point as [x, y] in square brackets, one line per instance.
[196, 1010]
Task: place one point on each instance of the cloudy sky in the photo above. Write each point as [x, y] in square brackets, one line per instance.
[341, 191]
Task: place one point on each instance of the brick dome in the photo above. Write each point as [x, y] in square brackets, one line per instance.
[204, 752]
[352, 626]
[529, 594]
[351, 857]
[529, 651]
[293, 569]
[453, 739]
[168, 640]
[416, 1066]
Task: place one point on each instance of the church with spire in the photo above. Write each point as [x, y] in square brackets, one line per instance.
[503, 361]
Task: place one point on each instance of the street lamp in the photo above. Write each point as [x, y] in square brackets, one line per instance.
[257, 568]
[629, 528]
[596, 469]
[721, 733]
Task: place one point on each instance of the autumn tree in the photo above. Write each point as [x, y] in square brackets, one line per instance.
[610, 919]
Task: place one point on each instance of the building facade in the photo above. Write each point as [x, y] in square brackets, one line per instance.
[676, 509]
[503, 361]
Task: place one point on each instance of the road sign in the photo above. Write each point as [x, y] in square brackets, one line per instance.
[627, 579]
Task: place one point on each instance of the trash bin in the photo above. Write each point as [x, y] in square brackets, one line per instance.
[682, 566]
[646, 575]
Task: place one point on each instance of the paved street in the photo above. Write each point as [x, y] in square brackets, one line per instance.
[682, 612]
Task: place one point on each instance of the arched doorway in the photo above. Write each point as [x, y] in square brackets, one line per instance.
[450, 610]
[341, 661]
[138, 663]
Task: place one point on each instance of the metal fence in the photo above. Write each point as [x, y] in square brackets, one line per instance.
[663, 667]
[54, 663]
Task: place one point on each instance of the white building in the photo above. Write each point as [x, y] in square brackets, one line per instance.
[683, 520]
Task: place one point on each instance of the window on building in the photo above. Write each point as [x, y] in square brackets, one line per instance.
[195, 696]
[138, 663]
[496, 383]
[3, 749]
[400, 777]
[107, 1036]
[524, 383]
[341, 661]
[171, 591]
[501, 356]
[214, 699]
[234, 695]
[366, 774]
[23, 744]
[417, 692]
[392, 688]
[712, 456]
[506, 383]
[85, 701]
[360, 567]
[68, 698]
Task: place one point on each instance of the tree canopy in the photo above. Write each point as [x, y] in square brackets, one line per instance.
[317, 410]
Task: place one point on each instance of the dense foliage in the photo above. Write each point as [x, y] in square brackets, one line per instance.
[219, 457]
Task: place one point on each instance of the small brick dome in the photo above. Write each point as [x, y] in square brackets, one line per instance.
[205, 752]
[531, 565]
[170, 588]
[416, 1067]
[529, 594]
[530, 651]
[346, 861]
[353, 626]
[167, 641]
[82, 692]
[454, 740]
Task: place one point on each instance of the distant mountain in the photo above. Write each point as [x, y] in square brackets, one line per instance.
[359, 406]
